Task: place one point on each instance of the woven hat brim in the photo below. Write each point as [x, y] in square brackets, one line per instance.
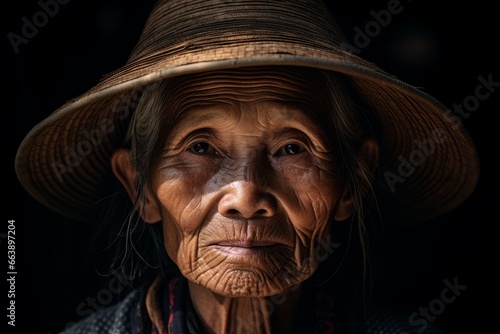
[63, 160]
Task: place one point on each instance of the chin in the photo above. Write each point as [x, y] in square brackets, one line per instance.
[246, 283]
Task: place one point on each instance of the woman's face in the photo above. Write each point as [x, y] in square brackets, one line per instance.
[246, 187]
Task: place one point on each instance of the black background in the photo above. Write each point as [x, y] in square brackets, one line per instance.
[442, 49]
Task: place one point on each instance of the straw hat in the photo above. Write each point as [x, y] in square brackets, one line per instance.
[428, 163]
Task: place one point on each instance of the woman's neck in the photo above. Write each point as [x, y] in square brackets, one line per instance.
[220, 314]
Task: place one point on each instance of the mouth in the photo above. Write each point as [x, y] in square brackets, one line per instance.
[245, 243]
[246, 247]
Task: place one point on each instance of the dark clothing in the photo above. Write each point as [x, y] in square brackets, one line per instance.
[165, 307]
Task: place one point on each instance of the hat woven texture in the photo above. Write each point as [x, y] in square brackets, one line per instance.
[428, 163]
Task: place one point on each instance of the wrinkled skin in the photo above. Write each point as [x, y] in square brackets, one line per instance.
[245, 187]
[246, 211]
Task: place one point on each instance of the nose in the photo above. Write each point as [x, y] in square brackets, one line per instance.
[246, 199]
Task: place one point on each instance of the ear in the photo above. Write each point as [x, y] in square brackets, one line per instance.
[369, 156]
[125, 172]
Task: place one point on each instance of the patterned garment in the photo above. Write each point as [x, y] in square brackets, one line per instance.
[165, 308]
[180, 317]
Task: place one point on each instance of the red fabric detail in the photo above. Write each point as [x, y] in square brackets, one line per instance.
[171, 301]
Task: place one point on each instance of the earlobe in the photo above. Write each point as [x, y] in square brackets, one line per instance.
[121, 164]
[369, 156]
[345, 206]
[125, 172]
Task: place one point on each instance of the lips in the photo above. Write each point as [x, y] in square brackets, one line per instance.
[244, 248]
[246, 243]
[247, 236]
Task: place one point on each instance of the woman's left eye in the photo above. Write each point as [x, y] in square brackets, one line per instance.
[291, 149]
[202, 148]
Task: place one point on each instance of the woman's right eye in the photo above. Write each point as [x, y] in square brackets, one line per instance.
[202, 148]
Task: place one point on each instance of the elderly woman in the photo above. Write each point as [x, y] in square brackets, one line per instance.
[250, 146]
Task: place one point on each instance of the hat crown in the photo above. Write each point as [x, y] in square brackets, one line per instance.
[175, 25]
[64, 168]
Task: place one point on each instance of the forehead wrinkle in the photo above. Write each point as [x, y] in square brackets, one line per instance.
[193, 119]
[244, 85]
[275, 117]
[219, 118]
[238, 90]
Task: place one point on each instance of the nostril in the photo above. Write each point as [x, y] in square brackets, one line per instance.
[261, 212]
[232, 212]
[246, 200]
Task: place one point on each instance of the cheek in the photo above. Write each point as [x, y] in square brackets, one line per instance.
[184, 192]
[310, 193]
[312, 189]
[306, 193]
[184, 196]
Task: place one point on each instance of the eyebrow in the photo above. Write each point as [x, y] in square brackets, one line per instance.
[199, 118]
[316, 135]
[214, 111]
[199, 121]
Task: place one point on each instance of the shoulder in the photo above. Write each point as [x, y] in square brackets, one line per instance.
[113, 320]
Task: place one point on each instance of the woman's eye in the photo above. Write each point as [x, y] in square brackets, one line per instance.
[291, 149]
[202, 148]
